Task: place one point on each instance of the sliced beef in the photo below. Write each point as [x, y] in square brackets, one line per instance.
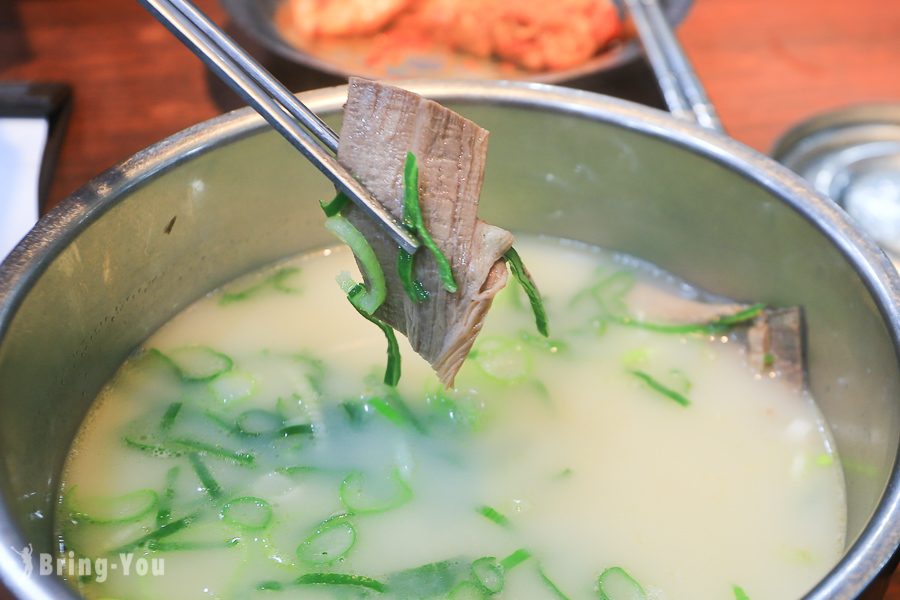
[381, 124]
[775, 345]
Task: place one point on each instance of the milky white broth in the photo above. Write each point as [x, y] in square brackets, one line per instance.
[590, 466]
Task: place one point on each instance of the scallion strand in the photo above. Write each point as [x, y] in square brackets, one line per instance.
[412, 218]
[658, 387]
[392, 371]
[517, 268]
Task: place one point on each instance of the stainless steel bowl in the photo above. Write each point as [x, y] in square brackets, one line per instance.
[256, 18]
[143, 240]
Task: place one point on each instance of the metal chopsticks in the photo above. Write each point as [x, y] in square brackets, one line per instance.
[287, 115]
[681, 89]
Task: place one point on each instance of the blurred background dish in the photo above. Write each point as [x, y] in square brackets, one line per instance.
[396, 50]
[852, 155]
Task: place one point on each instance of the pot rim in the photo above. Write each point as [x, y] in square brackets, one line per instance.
[862, 561]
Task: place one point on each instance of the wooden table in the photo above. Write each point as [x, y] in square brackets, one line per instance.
[766, 64]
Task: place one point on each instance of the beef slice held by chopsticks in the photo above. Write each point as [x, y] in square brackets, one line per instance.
[381, 125]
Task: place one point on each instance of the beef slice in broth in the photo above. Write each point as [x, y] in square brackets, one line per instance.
[381, 125]
[774, 340]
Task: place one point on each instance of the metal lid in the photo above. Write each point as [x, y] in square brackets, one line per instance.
[852, 156]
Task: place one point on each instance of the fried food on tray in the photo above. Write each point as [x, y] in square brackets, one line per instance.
[327, 18]
[532, 34]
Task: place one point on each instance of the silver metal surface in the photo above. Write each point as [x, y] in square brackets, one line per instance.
[681, 89]
[274, 102]
[257, 18]
[105, 269]
[853, 157]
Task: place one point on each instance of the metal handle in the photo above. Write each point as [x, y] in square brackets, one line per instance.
[681, 89]
[274, 102]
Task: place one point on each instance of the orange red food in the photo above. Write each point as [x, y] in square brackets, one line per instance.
[536, 35]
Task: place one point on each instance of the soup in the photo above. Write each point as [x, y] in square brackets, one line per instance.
[252, 450]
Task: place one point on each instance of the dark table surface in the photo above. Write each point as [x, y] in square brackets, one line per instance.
[766, 64]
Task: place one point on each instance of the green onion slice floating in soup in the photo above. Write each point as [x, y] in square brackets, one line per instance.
[330, 542]
[168, 418]
[127, 508]
[466, 590]
[739, 593]
[517, 268]
[373, 296]
[392, 370]
[341, 579]
[715, 326]
[232, 387]
[199, 363]
[551, 585]
[658, 387]
[210, 485]
[492, 514]
[502, 359]
[362, 493]
[258, 422]
[616, 584]
[164, 510]
[432, 580]
[276, 281]
[488, 574]
[515, 559]
[248, 512]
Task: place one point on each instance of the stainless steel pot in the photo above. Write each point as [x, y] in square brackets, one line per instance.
[143, 240]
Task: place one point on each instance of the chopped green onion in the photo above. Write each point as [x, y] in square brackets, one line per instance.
[276, 281]
[658, 387]
[127, 508]
[494, 515]
[502, 359]
[616, 584]
[391, 406]
[517, 268]
[364, 494]
[210, 485]
[270, 586]
[329, 543]
[199, 363]
[164, 512]
[158, 546]
[415, 289]
[157, 534]
[488, 574]
[543, 343]
[515, 559]
[432, 580]
[157, 450]
[739, 593]
[373, 296]
[715, 326]
[412, 218]
[392, 371]
[214, 450]
[341, 579]
[466, 590]
[169, 416]
[248, 512]
[553, 587]
[256, 422]
[232, 387]
[299, 429]
[336, 205]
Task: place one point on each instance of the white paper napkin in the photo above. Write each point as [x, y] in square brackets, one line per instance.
[22, 142]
